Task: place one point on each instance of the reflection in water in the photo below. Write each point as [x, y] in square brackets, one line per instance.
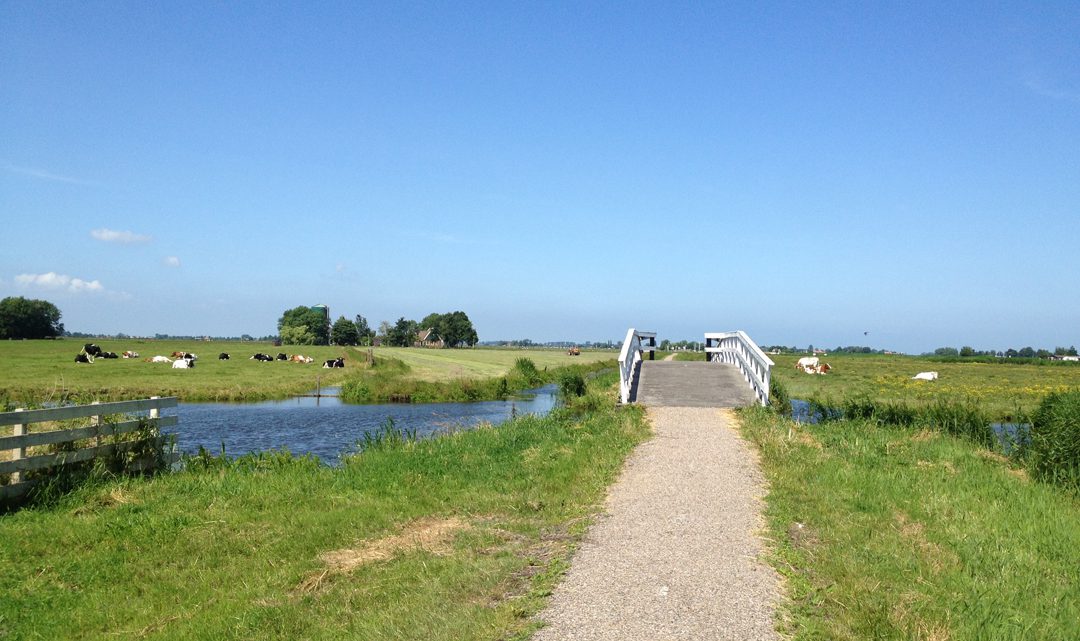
[327, 427]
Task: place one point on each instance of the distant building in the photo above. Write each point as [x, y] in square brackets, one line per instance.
[428, 338]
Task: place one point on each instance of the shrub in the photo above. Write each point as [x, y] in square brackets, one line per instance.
[571, 385]
[960, 419]
[1053, 451]
[779, 399]
[525, 368]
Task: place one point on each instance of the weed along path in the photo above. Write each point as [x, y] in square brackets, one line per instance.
[676, 554]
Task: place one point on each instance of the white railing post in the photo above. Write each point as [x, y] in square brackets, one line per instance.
[738, 349]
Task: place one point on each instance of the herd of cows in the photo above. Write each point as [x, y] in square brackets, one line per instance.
[186, 360]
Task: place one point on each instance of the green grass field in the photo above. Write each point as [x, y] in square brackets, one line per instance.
[890, 533]
[1001, 389]
[453, 538]
[441, 364]
[33, 372]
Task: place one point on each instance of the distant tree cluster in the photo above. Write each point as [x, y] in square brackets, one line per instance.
[671, 346]
[29, 318]
[1024, 352]
[303, 326]
[454, 329]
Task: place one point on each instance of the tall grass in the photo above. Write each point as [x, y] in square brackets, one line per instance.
[886, 531]
[1052, 451]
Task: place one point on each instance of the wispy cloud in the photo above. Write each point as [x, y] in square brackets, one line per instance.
[1038, 84]
[52, 281]
[171, 261]
[120, 237]
[43, 174]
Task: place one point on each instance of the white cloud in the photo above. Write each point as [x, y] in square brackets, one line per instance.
[122, 237]
[44, 175]
[171, 261]
[59, 282]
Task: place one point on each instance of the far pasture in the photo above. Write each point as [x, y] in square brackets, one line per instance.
[1003, 389]
[33, 372]
[441, 364]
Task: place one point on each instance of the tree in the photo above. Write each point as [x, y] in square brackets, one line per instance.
[967, 351]
[454, 328]
[384, 329]
[313, 320]
[297, 335]
[344, 332]
[28, 318]
[1027, 352]
[946, 351]
[363, 331]
[403, 333]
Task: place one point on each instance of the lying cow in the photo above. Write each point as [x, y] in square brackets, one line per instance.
[262, 357]
[159, 359]
[183, 363]
[224, 356]
[130, 354]
[282, 356]
[109, 355]
[925, 376]
[300, 358]
[812, 365]
[337, 362]
[84, 358]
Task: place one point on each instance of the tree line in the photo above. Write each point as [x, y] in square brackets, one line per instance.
[307, 326]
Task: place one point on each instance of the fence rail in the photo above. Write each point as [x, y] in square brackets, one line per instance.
[100, 426]
[738, 349]
[630, 356]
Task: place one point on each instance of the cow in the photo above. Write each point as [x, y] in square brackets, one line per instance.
[83, 358]
[807, 361]
[91, 350]
[224, 356]
[925, 376]
[183, 363]
[262, 357]
[130, 354]
[109, 355]
[282, 356]
[177, 355]
[300, 358]
[159, 359]
[337, 362]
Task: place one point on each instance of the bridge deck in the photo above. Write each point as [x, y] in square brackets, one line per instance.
[691, 384]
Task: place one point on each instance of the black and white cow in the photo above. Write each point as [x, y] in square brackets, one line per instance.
[224, 356]
[337, 362]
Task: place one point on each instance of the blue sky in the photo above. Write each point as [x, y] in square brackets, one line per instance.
[557, 171]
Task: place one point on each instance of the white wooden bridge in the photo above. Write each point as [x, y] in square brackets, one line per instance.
[735, 374]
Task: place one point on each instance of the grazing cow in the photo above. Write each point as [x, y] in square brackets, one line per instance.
[91, 350]
[337, 362]
[84, 358]
[159, 359]
[223, 356]
[130, 354]
[925, 376]
[282, 356]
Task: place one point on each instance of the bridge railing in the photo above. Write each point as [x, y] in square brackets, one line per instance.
[635, 344]
[738, 349]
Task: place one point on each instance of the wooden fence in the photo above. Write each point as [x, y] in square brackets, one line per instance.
[104, 420]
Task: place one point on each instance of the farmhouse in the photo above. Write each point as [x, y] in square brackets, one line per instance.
[428, 338]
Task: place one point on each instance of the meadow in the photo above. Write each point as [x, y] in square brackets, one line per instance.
[889, 532]
[1005, 391]
[34, 372]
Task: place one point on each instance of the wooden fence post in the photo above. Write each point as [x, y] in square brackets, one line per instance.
[95, 420]
[18, 452]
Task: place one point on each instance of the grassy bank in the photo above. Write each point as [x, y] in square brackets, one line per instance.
[886, 532]
[457, 537]
[392, 381]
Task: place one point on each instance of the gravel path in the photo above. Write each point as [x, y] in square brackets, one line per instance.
[676, 554]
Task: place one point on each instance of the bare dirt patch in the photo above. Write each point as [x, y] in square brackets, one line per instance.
[430, 534]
